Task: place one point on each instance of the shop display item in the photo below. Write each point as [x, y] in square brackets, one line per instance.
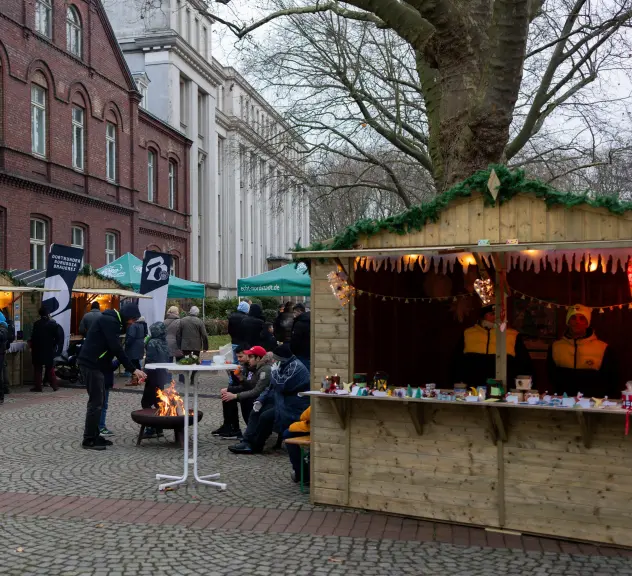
[524, 382]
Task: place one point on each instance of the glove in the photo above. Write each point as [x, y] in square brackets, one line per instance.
[256, 406]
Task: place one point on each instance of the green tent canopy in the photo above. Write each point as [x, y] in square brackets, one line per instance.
[289, 280]
[127, 269]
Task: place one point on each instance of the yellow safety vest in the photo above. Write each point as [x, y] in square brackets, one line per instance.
[479, 340]
[582, 354]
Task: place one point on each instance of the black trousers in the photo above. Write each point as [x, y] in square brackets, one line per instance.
[231, 412]
[260, 426]
[95, 386]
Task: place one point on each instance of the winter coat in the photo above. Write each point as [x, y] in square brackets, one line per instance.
[103, 343]
[235, 327]
[172, 322]
[135, 341]
[45, 342]
[191, 334]
[88, 320]
[287, 380]
[252, 325]
[4, 341]
[475, 358]
[267, 340]
[584, 365]
[303, 424]
[260, 379]
[283, 326]
[300, 341]
[157, 352]
[145, 328]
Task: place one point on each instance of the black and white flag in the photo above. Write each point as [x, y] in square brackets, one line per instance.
[62, 268]
[154, 282]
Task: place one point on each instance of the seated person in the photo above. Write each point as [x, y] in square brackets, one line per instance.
[239, 381]
[580, 362]
[296, 429]
[279, 405]
[157, 353]
[260, 366]
[475, 359]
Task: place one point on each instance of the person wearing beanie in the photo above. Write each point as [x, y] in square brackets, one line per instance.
[191, 336]
[300, 340]
[279, 405]
[172, 323]
[101, 345]
[89, 318]
[475, 357]
[252, 325]
[236, 332]
[47, 339]
[580, 362]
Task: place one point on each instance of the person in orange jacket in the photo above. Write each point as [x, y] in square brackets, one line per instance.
[300, 428]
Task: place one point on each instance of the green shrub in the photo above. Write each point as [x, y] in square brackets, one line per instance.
[216, 308]
[216, 326]
[270, 314]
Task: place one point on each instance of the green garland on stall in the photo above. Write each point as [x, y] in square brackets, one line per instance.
[10, 276]
[88, 270]
[511, 183]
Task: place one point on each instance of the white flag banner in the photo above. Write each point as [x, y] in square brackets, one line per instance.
[62, 268]
[154, 282]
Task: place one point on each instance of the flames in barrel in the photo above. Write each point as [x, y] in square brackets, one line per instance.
[169, 402]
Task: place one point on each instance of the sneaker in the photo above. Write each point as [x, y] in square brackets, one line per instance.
[105, 432]
[149, 433]
[231, 435]
[91, 445]
[294, 476]
[100, 441]
[221, 430]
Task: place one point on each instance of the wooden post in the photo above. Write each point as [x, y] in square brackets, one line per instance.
[501, 335]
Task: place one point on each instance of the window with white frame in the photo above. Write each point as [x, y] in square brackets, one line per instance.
[151, 176]
[39, 233]
[110, 151]
[174, 266]
[44, 17]
[38, 120]
[77, 238]
[73, 32]
[173, 184]
[110, 247]
[78, 138]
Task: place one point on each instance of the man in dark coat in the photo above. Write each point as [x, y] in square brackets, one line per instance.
[100, 347]
[46, 341]
[252, 325]
[300, 341]
[283, 323]
[4, 340]
[89, 318]
[234, 324]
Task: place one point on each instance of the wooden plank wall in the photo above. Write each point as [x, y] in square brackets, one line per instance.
[554, 485]
[524, 217]
[331, 343]
[447, 473]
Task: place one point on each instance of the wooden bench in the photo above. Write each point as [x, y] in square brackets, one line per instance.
[303, 442]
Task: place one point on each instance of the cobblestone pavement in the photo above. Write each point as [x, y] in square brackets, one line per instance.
[67, 511]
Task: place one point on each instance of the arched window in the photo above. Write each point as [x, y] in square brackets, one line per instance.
[111, 247]
[38, 120]
[39, 240]
[110, 151]
[73, 32]
[151, 176]
[173, 185]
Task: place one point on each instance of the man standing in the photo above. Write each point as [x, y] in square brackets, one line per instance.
[45, 344]
[192, 336]
[89, 318]
[580, 362]
[300, 341]
[99, 348]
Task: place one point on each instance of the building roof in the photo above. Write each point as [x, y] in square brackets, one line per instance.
[525, 210]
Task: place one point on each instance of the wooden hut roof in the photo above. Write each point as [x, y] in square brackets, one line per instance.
[528, 211]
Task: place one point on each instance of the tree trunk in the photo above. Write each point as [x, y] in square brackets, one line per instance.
[470, 72]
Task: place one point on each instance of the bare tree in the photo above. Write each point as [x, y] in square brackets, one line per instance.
[450, 85]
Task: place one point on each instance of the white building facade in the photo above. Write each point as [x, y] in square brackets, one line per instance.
[247, 204]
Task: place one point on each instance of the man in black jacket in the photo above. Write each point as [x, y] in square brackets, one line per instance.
[88, 319]
[100, 347]
[252, 325]
[300, 341]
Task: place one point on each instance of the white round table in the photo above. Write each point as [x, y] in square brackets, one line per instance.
[191, 370]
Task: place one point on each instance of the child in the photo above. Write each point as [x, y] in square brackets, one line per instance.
[157, 352]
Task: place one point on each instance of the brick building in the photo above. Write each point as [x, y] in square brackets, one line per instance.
[80, 163]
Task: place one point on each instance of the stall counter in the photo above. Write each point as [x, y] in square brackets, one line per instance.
[536, 469]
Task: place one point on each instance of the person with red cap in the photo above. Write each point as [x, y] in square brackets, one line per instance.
[580, 362]
[258, 379]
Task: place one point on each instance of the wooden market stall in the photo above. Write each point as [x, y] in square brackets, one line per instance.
[555, 471]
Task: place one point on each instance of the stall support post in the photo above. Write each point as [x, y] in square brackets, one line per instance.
[501, 335]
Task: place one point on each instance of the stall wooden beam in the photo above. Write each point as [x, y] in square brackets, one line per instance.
[416, 412]
[340, 408]
[585, 427]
